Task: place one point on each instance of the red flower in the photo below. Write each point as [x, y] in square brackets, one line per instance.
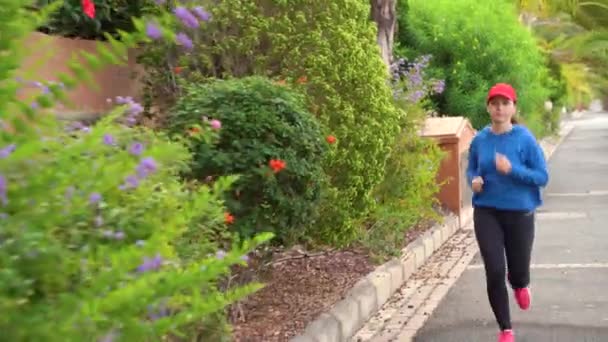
[194, 130]
[277, 165]
[228, 218]
[88, 7]
[331, 139]
[178, 69]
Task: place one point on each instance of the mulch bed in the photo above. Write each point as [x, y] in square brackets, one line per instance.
[299, 287]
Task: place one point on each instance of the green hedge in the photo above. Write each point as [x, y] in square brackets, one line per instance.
[474, 45]
[329, 52]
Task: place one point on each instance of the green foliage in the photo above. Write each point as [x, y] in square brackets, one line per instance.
[407, 195]
[330, 49]
[474, 45]
[74, 254]
[94, 220]
[260, 122]
[111, 16]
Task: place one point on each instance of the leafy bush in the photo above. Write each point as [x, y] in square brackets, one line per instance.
[472, 51]
[262, 125]
[329, 51]
[111, 16]
[90, 217]
[87, 235]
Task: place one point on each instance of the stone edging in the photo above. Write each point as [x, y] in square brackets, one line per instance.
[370, 293]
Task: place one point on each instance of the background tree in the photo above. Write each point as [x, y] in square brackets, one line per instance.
[384, 14]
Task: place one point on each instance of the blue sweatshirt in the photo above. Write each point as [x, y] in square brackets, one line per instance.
[518, 190]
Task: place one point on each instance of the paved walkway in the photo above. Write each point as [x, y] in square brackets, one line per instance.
[447, 300]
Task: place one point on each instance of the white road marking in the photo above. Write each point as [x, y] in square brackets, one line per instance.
[561, 215]
[551, 266]
[578, 194]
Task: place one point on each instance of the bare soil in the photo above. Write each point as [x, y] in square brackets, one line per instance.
[299, 286]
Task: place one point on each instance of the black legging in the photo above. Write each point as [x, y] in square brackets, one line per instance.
[501, 232]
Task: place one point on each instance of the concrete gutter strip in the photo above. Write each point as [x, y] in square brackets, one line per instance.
[370, 293]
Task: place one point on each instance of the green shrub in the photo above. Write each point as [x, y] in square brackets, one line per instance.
[90, 219]
[88, 226]
[474, 45]
[260, 122]
[329, 51]
[407, 195]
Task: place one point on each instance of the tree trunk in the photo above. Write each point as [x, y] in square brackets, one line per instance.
[385, 16]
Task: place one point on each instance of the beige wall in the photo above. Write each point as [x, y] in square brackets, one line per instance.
[47, 56]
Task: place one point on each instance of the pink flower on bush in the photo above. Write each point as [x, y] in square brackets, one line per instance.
[215, 124]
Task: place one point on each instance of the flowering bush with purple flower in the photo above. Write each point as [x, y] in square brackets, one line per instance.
[411, 85]
[91, 219]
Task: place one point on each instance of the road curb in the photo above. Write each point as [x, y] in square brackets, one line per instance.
[370, 293]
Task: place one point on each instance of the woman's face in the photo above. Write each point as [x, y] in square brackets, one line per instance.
[501, 109]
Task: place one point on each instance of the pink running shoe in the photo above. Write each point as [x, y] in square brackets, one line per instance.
[523, 298]
[506, 336]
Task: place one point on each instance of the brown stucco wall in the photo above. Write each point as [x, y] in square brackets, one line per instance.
[47, 56]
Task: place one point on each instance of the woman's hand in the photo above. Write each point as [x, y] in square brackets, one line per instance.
[503, 165]
[477, 184]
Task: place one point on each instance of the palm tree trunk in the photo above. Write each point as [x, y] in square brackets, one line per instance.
[384, 14]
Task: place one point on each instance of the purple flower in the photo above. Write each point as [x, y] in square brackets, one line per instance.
[153, 31]
[136, 149]
[119, 235]
[3, 190]
[201, 13]
[416, 96]
[123, 100]
[415, 79]
[135, 108]
[130, 182]
[6, 151]
[76, 125]
[140, 243]
[34, 105]
[158, 312]
[439, 86]
[184, 40]
[150, 264]
[160, 2]
[187, 18]
[108, 139]
[108, 233]
[245, 258]
[146, 167]
[215, 124]
[94, 198]
[3, 216]
[131, 120]
[221, 254]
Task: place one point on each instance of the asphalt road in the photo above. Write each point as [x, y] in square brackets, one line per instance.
[570, 258]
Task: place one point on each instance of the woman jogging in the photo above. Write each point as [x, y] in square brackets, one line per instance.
[506, 170]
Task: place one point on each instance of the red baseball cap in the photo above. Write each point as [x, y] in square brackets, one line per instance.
[502, 89]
